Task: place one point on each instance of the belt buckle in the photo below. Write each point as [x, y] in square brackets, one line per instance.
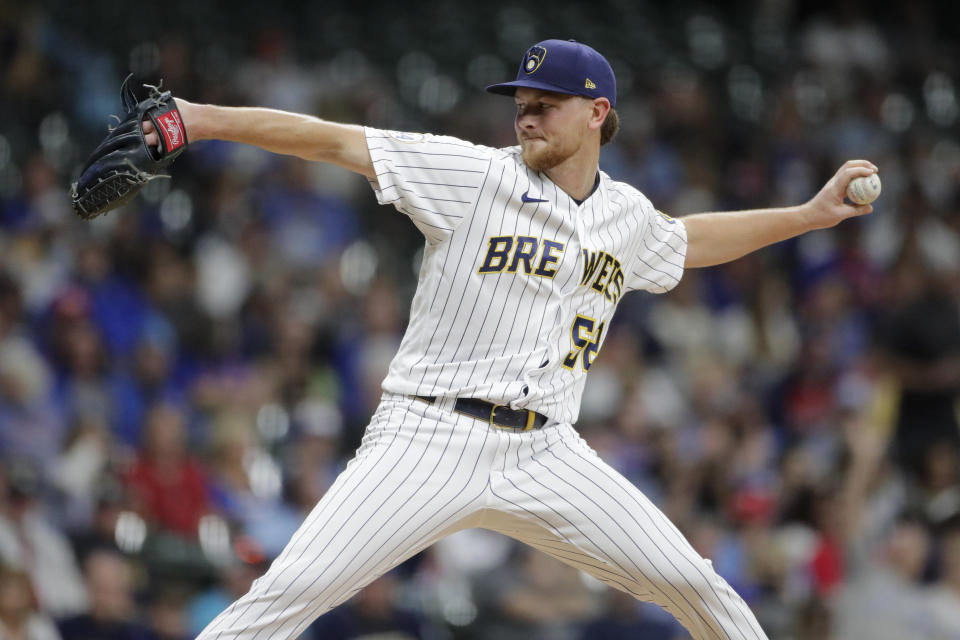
[531, 418]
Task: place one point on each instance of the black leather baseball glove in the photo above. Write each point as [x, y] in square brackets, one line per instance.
[124, 163]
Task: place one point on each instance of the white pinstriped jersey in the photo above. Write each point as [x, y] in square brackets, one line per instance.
[517, 286]
[518, 282]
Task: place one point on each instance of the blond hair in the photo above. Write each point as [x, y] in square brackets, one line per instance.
[611, 125]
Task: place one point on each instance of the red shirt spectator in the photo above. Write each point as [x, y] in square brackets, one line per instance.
[166, 484]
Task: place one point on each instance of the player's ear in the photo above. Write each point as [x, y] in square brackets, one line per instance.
[601, 106]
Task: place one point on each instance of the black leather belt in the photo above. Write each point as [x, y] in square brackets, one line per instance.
[498, 415]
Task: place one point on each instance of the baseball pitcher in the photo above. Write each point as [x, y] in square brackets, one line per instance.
[528, 251]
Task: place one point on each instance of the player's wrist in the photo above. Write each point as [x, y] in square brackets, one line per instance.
[196, 120]
[809, 216]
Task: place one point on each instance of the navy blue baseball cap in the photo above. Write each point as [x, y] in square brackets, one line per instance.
[563, 66]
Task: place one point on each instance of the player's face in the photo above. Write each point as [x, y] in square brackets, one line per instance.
[551, 127]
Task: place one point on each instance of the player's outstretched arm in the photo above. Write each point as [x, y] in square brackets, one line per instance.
[278, 131]
[715, 238]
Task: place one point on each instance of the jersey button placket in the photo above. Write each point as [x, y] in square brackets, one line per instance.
[563, 298]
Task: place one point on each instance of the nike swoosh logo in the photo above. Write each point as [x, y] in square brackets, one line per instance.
[527, 198]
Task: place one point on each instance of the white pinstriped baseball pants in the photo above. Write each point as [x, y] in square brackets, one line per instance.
[423, 472]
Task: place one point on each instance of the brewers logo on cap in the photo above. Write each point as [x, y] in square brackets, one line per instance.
[534, 58]
[574, 69]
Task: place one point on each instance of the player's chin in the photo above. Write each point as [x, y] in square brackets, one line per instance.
[539, 156]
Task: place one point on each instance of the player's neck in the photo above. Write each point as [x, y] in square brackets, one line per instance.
[577, 174]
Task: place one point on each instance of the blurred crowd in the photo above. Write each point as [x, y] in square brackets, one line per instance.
[182, 380]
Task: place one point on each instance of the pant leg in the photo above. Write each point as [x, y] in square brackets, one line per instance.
[416, 478]
[557, 495]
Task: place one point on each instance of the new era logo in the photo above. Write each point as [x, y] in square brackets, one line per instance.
[589, 84]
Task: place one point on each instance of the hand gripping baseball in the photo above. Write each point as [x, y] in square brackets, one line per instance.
[828, 207]
[124, 161]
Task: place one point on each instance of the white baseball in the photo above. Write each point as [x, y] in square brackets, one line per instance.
[864, 190]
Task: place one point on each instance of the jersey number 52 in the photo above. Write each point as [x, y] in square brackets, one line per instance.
[586, 342]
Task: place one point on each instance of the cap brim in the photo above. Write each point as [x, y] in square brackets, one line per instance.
[509, 88]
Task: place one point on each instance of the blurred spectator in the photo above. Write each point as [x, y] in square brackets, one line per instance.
[101, 532]
[727, 553]
[884, 558]
[149, 381]
[291, 370]
[78, 469]
[683, 323]
[30, 428]
[533, 597]
[922, 334]
[382, 330]
[944, 597]
[112, 614]
[813, 621]
[28, 541]
[315, 455]
[82, 386]
[167, 615]
[373, 612]
[235, 580]
[937, 494]
[35, 256]
[883, 598]
[166, 484]
[308, 227]
[170, 284]
[827, 563]
[246, 484]
[116, 305]
[19, 617]
[11, 306]
[624, 617]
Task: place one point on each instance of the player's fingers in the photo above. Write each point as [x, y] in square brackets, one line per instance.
[860, 163]
[150, 134]
[861, 209]
[836, 188]
[846, 174]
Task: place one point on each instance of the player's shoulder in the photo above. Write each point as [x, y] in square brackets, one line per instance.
[624, 193]
[436, 143]
[512, 155]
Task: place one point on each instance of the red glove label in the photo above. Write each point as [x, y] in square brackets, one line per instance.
[172, 129]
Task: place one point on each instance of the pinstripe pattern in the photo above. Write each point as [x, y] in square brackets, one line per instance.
[414, 480]
[423, 473]
[600, 531]
[505, 335]
[502, 336]
[559, 497]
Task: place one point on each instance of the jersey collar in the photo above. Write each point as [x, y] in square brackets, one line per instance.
[596, 183]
